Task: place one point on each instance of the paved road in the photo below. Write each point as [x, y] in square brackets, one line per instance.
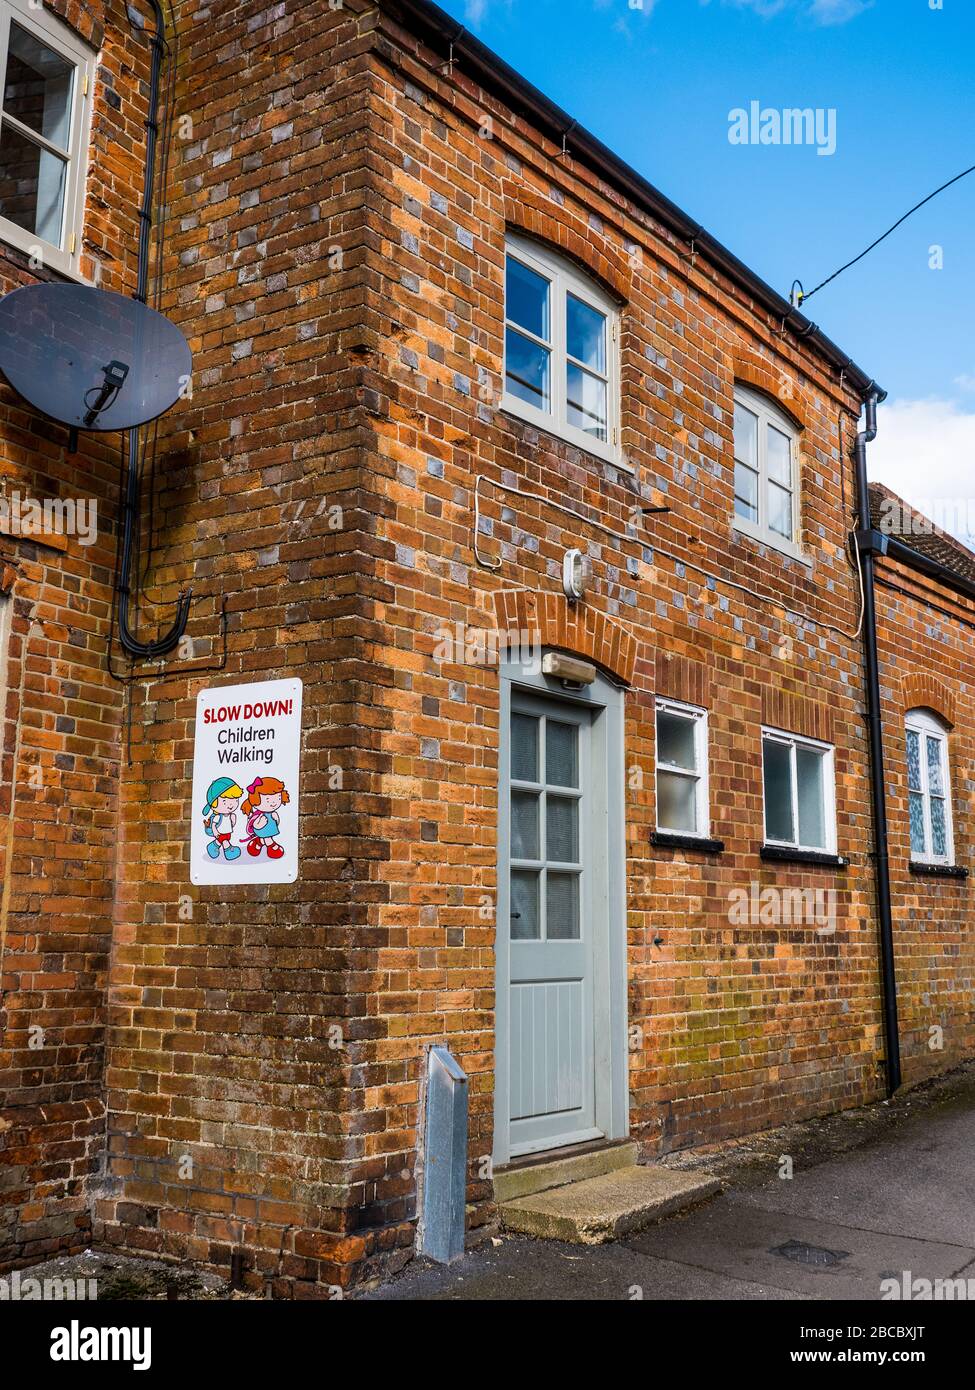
[901, 1202]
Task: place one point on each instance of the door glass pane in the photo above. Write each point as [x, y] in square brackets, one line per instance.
[32, 183]
[746, 492]
[527, 370]
[939, 828]
[936, 783]
[562, 829]
[524, 905]
[780, 510]
[677, 802]
[586, 334]
[524, 825]
[917, 823]
[779, 457]
[777, 766]
[810, 770]
[746, 437]
[562, 907]
[37, 87]
[524, 748]
[913, 760]
[561, 754]
[675, 740]
[586, 401]
[527, 298]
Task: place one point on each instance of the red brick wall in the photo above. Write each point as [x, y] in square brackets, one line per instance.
[735, 1028]
[335, 255]
[62, 730]
[926, 636]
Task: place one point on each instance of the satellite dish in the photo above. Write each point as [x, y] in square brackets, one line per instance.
[91, 359]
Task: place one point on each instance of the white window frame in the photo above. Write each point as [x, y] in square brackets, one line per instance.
[48, 29]
[702, 800]
[564, 280]
[794, 742]
[927, 725]
[769, 414]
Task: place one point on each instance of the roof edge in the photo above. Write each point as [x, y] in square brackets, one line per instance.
[427, 18]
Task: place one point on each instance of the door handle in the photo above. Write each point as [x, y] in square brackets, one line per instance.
[514, 915]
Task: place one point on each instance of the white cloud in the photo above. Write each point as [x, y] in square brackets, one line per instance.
[820, 11]
[925, 452]
[837, 11]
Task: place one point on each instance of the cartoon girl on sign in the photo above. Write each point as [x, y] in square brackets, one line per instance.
[265, 797]
[220, 817]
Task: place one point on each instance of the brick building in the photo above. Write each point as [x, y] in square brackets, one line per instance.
[467, 394]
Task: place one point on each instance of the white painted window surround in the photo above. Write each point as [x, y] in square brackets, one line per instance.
[929, 788]
[682, 769]
[799, 792]
[767, 504]
[561, 349]
[47, 76]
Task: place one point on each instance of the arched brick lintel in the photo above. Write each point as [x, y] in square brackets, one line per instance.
[923, 691]
[577, 629]
[525, 211]
[762, 375]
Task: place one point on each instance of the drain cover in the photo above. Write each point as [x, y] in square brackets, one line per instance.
[802, 1254]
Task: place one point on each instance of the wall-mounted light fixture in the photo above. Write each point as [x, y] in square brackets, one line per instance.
[576, 573]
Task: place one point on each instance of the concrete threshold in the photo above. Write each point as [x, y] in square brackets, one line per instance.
[606, 1207]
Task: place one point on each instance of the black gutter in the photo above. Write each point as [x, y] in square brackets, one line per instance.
[425, 19]
[875, 734]
[132, 496]
[880, 544]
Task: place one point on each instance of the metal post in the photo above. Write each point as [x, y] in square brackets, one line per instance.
[444, 1175]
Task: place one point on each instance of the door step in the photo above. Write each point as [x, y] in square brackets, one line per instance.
[606, 1207]
[528, 1176]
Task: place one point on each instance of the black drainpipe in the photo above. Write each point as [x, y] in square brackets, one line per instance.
[132, 496]
[875, 730]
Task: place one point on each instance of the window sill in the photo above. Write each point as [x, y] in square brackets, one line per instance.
[772, 541]
[510, 405]
[937, 870]
[668, 839]
[784, 854]
[54, 261]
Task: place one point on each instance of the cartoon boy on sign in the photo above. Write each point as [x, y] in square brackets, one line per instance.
[220, 817]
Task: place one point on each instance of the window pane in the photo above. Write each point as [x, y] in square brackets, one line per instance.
[779, 449]
[527, 370]
[32, 184]
[677, 802]
[939, 828]
[524, 905]
[562, 830]
[936, 783]
[561, 754]
[780, 510]
[524, 825]
[777, 762]
[917, 823]
[37, 87]
[810, 770]
[746, 436]
[746, 492]
[524, 748]
[913, 760]
[586, 401]
[562, 907]
[675, 740]
[527, 297]
[586, 334]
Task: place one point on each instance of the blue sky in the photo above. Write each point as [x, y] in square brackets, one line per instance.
[657, 79]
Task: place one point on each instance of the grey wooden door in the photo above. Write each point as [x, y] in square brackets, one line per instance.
[547, 894]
